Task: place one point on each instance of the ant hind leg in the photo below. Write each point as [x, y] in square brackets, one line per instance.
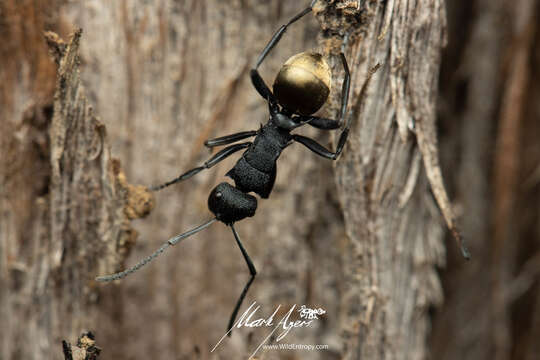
[253, 273]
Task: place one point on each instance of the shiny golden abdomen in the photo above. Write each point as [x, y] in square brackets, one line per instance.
[303, 83]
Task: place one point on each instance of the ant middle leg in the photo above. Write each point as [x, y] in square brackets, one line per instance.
[229, 139]
[219, 156]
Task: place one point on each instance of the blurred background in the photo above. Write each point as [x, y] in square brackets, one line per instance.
[163, 76]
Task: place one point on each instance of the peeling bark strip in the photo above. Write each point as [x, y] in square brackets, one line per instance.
[81, 162]
[86, 207]
[90, 198]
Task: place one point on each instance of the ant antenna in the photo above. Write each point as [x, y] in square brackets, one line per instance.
[172, 241]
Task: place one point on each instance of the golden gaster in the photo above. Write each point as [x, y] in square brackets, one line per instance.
[303, 83]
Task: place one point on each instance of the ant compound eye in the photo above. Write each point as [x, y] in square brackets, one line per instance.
[303, 83]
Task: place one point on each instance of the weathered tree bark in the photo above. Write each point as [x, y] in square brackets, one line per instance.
[360, 238]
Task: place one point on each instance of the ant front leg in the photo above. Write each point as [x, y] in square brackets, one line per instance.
[256, 78]
[320, 123]
[328, 124]
[220, 156]
[321, 150]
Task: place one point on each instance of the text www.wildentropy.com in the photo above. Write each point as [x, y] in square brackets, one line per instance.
[284, 346]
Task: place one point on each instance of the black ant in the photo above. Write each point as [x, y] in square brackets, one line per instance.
[300, 89]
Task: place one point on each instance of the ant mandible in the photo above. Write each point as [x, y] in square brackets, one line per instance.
[300, 89]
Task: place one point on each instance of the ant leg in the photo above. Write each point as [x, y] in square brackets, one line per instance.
[320, 123]
[279, 33]
[261, 87]
[345, 88]
[252, 272]
[228, 139]
[221, 155]
[321, 150]
[328, 124]
[172, 241]
[256, 78]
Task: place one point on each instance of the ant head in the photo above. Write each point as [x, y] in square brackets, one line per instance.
[303, 83]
